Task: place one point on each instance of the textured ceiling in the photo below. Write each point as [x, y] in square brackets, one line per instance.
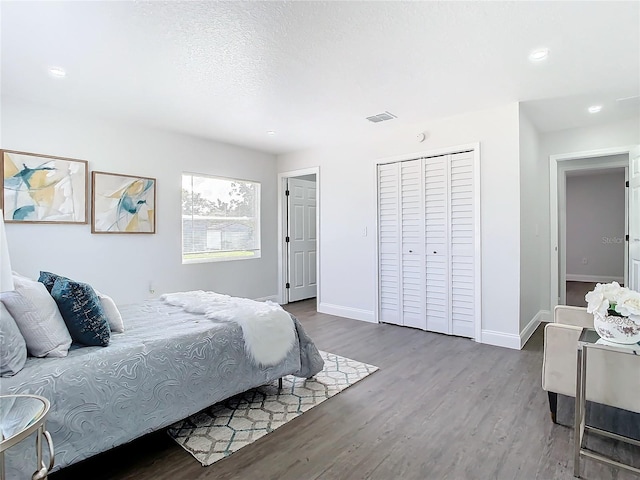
[312, 71]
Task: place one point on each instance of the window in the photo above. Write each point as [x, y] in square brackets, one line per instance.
[220, 219]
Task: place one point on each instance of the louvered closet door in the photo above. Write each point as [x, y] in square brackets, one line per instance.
[427, 244]
[389, 242]
[412, 230]
[436, 235]
[462, 266]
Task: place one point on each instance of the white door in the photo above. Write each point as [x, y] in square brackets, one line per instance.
[426, 244]
[634, 219]
[389, 241]
[436, 242]
[461, 245]
[401, 244]
[412, 221]
[301, 245]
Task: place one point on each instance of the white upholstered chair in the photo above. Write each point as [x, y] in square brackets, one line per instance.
[612, 379]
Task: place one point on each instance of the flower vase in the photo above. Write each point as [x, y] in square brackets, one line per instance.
[616, 329]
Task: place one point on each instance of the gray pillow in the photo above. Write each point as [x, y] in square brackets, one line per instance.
[13, 350]
[38, 318]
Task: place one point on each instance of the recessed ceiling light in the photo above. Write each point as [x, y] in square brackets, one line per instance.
[271, 133]
[594, 108]
[57, 72]
[539, 54]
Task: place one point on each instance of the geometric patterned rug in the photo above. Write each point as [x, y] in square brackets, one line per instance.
[226, 427]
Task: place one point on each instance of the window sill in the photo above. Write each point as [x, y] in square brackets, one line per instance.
[219, 259]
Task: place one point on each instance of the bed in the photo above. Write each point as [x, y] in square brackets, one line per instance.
[168, 364]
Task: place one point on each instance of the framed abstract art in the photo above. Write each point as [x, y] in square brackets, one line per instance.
[43, 189]
[122, 203]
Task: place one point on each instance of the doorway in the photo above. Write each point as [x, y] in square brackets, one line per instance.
[595, 160]
[595, 250]
[298, 220]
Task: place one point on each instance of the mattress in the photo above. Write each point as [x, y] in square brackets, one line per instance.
[167, 365]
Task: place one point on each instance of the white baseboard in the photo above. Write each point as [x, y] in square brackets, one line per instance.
[545, 316]
[273, 298]
[501, 339]
[527, 331]
[347, 312]
[593, 278]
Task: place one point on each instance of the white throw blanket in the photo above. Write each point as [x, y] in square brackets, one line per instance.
[268, 331]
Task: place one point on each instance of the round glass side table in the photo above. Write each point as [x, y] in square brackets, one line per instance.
[20, 416]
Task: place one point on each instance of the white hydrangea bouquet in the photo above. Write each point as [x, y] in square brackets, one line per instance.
[616, 312]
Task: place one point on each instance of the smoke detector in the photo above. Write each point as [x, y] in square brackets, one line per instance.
[381, 117]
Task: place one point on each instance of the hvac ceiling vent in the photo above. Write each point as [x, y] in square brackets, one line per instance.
[381, 117]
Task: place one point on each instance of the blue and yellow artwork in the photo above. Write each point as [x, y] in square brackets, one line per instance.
[43, 189]
[123, 204]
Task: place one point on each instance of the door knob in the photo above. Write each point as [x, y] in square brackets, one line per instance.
[410, 251]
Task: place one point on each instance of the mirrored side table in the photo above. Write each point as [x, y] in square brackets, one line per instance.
[589, 339]
[20, 416]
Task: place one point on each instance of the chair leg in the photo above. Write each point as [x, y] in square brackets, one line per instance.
[553, 405]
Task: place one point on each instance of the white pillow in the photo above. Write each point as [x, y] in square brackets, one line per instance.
[38, 318]
[111, 311]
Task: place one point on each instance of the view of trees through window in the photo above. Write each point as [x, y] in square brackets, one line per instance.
[220, 218]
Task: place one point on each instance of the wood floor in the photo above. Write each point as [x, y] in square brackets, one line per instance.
[439, 408]
[576, 292]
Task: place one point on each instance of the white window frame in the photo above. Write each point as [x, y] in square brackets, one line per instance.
[257, 252]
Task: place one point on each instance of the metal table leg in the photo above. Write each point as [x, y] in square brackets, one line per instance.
[42, 472]
[580, 413]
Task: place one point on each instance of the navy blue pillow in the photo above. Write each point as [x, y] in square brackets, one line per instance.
[82, 311]
[48, 279]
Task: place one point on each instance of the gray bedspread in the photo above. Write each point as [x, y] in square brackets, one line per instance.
[168, 365]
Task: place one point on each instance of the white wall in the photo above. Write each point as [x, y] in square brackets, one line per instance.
[615, 134]
[595, 207]
[532, 170]
[573, 140]
[123, 265]
[348, 206]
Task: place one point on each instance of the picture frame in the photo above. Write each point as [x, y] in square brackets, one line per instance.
[122, 204]
[40, 188]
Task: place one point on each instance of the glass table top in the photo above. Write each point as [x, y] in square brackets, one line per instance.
[18, 413]
[591, 338]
